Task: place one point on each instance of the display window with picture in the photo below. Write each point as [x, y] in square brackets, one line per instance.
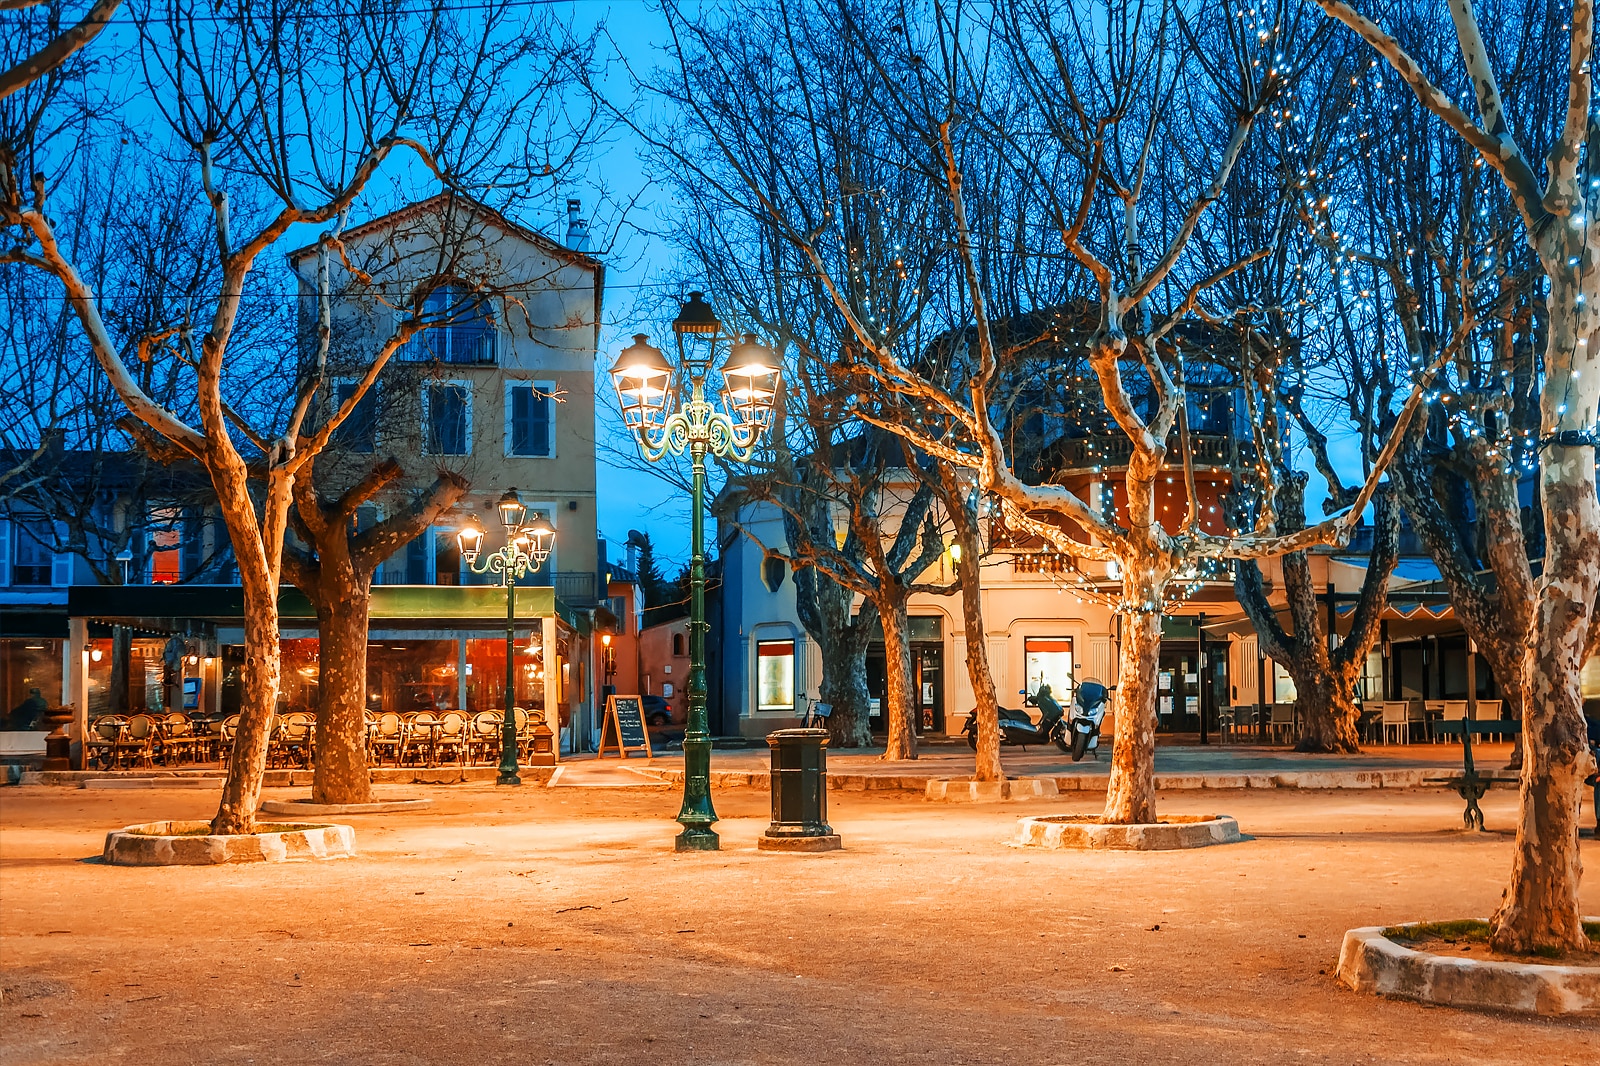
[775, 675]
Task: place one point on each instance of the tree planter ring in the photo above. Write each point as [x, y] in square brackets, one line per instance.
[1088, 832]
[307, 808]
[181, 844]
[1370, 962]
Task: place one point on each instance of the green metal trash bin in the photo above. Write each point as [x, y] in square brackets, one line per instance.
[799, 792]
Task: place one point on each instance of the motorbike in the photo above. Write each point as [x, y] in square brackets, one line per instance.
[1089, 703]
[1017, 728]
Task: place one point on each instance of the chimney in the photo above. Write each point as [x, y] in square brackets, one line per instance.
[577, 226]
[635, 542]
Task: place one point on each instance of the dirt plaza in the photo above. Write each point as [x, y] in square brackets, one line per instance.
[556, 925]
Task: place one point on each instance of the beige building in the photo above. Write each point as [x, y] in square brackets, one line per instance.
[1049, 618]
[500, 390]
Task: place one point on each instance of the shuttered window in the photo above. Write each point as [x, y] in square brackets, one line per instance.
[359, 432]
[448, 417]
[530, 409]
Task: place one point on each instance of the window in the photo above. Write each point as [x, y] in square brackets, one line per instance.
[1048, 661]
[166, 546]
[775, 675]
[468, 336]
[359, 432]
[447, 417]
[530, 409]
[32, 560]
[446, 557]
[677, 644]
[772, 571]
[418, 559]
[194, 542]
[666, 690]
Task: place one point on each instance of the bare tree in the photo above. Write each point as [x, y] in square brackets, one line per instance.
[1540, 909]
[243, 99]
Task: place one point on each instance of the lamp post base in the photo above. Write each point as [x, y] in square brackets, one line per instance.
[697, 838]
[507, 779]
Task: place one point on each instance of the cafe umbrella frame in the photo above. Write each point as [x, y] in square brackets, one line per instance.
[527, 547]
[648, 387]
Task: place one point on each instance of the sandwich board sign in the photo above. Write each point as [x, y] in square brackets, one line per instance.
[623, 728]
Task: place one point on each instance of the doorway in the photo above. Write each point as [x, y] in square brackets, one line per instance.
[1178, 688]
[926, 637]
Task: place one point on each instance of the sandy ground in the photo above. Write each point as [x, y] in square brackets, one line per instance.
[556, 926]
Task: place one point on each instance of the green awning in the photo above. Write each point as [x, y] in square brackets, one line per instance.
[131, 604]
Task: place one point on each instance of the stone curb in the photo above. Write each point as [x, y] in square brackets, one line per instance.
[309, 808]
[141, 845]
[1087, 832]
[1299, 779]
[960, 789]
[1431, 777]
[1371, 962]
[380, 775]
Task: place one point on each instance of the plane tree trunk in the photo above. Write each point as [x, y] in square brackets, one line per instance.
[336, 575]
[824, 608]
[899, 702]
[1325, 679]
[957, 497]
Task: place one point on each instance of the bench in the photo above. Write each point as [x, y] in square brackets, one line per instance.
[1471, 785]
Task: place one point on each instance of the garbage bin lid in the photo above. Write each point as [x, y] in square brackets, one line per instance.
[796, 734]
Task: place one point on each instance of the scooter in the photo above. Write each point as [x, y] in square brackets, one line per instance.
[1017, 729]
[1089, 704]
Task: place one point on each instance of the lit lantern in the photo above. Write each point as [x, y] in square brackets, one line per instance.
[511, 509]
[750, 383]
[470, 540]
[540, 537]
[643, 380]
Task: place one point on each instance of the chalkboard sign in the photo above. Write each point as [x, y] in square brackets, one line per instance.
[623, 728]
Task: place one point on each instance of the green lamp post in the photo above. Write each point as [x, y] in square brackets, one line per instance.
[527, 547]
[648, 386]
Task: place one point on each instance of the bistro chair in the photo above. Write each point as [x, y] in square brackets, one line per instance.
[483, 740]
[524, 731]
[100, 746]
[1394, 718]
[421, 732]
[177, 739]
[452, 737]
[388, 736]
[228, 734]
[1449, 711]
[291, 741]
[1224, 724]
[1417, 717]
[1282, 721]
[139, 739]
[1491, 710]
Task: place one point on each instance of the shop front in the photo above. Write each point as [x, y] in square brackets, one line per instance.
[430, 648]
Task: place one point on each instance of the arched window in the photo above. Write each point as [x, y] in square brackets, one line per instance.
[677, 644]
[772, 571]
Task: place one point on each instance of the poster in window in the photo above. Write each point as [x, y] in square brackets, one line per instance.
[1164, 681]
[1166, 705]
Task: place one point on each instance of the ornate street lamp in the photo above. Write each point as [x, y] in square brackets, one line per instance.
[527, 547]
[647, 388]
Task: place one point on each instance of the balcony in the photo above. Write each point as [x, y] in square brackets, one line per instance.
[473, 344]
[576, 588]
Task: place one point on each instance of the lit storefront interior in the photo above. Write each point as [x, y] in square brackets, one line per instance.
[429, 649]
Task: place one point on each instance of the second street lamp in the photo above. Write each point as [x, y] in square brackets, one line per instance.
[647, 388]
[527, 548]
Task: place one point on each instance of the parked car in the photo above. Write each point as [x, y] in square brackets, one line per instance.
[655, 709]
